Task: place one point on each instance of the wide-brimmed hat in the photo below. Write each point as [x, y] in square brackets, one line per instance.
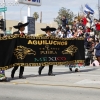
[48, 28]
[20, 25]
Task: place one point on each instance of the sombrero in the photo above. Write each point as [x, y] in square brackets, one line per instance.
[48, 28]
[20, 25]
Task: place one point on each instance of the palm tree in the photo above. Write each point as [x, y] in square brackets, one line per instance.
[36, 15]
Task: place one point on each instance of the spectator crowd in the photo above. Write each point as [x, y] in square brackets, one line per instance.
[89, 29]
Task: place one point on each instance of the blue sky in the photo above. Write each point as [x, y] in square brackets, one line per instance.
[49, 8]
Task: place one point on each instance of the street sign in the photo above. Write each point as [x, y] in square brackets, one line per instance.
[3, 9]
[8, 32]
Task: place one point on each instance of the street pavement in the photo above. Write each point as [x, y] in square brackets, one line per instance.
[34, 92]
[65, 85]
[88, 76]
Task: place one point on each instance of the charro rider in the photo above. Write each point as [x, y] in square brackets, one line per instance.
[48, 31]
[21, 28]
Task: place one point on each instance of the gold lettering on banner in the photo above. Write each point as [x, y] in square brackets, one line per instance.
[40, 42]
[46, 42]
[35, 42]
[30, 42]
[58, 43]
[62, 43]
[48, 52]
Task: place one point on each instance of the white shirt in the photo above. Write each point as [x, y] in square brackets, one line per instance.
[91, 33]
[69, 35]
[61, 35]
[20, 32]
[58, 34]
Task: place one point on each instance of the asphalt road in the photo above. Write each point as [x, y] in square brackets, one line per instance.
[65, 85]
[38, 92]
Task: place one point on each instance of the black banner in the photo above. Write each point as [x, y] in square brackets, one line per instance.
[36, 51]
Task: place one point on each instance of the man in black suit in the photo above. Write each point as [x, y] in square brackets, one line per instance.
[21, 28]
[48, 31]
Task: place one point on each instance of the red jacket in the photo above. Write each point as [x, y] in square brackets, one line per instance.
[88, 30]
[84, 21]
[98, 27]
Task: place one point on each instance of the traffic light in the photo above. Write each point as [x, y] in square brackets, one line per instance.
[2, 24]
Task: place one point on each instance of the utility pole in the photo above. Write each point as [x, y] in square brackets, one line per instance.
[29, 10]
[4, 18]
[41, 17]
[21, 13]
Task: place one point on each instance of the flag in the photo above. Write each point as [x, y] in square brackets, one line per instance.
[88, 9]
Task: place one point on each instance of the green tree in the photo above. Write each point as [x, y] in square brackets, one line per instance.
[36, 15]
[66, 12]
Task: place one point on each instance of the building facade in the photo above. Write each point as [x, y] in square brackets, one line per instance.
[38, 26]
